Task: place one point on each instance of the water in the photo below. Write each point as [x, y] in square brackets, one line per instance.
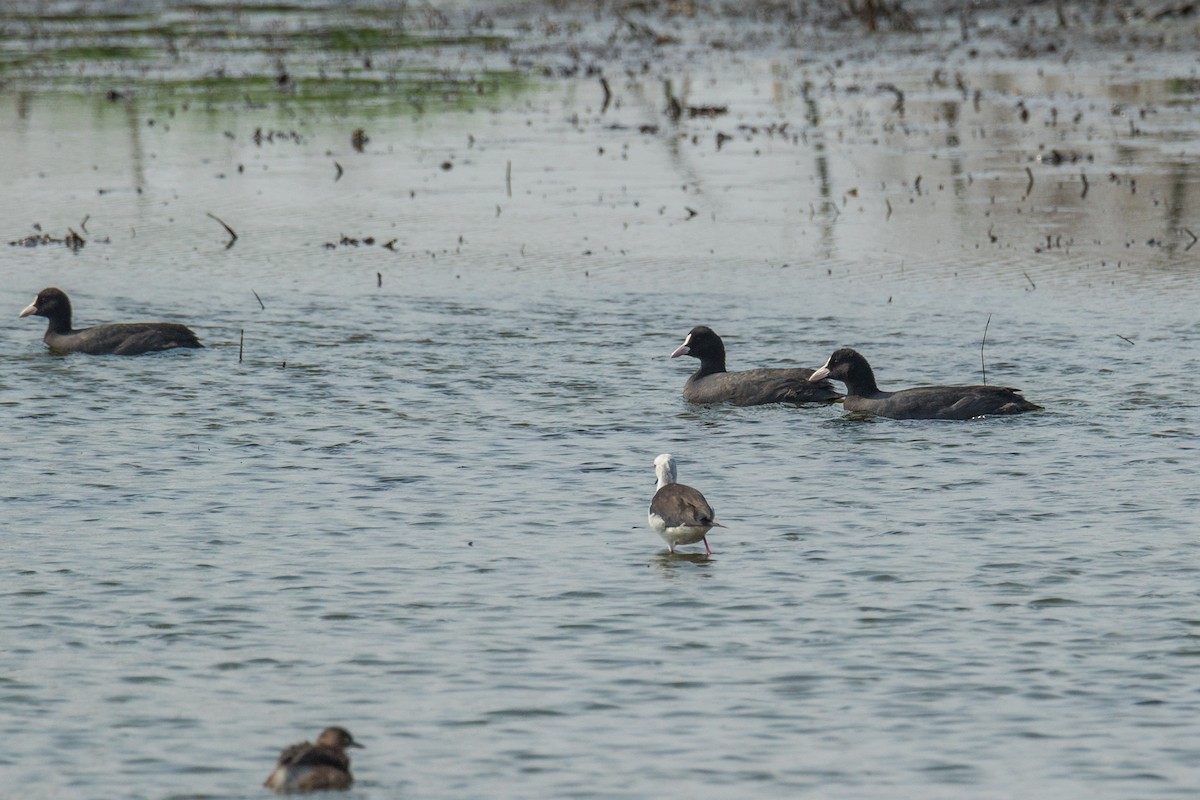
[417, 509]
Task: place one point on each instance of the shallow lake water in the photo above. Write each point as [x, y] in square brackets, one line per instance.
[406, 493]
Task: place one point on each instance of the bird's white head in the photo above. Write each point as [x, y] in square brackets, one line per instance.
[664, 468]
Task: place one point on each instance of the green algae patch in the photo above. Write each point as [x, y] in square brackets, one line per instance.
[238, 54]
[99, 52]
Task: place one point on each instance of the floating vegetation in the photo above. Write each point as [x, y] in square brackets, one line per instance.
[72, 240]
[270, 136]
[366, 241]
[707, 111]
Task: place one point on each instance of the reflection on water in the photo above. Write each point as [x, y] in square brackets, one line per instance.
[668, 561]
[416, 506]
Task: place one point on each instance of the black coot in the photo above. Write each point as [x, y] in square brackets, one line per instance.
[926, 402]
[711, 384]
[123, 339]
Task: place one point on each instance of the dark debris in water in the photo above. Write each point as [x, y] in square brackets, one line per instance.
[366, 241]
[72, 240]
[270, 136]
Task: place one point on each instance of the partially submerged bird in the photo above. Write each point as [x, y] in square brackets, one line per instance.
[752, 387]
[122, 339]
[925, 402]
[679, 513]
[308, 767]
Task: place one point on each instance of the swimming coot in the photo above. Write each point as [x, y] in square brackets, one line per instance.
[926, 402]
[124, 339]
[753, 387]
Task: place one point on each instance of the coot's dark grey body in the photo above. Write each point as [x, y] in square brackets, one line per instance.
[926, 402]
[711, 384]
[123, 339]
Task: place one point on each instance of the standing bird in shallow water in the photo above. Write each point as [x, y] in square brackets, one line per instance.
[679, 513]
[308, 767]
[122, 339]
[711, 384]
[923, 402]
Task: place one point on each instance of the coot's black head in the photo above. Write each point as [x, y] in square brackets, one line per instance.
[847, 366]
[702, 343]
[53, 304]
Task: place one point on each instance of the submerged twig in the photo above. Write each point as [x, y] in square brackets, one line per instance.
[898, 106]
[241, 343]
[981, 344]
[508, 179]
[638, 29]
[1192, 242]
[607, 94]
[1028, 188]
[233, 237]
[338, 177]
[1031, 283]
[1119, 336]
[259, 299]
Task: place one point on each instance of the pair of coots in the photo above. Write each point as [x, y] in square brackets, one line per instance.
[122, 339]
[713, 384]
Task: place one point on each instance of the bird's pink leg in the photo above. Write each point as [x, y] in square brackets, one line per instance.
[707, 551]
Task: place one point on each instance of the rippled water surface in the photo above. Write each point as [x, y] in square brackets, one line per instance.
[415, 505]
